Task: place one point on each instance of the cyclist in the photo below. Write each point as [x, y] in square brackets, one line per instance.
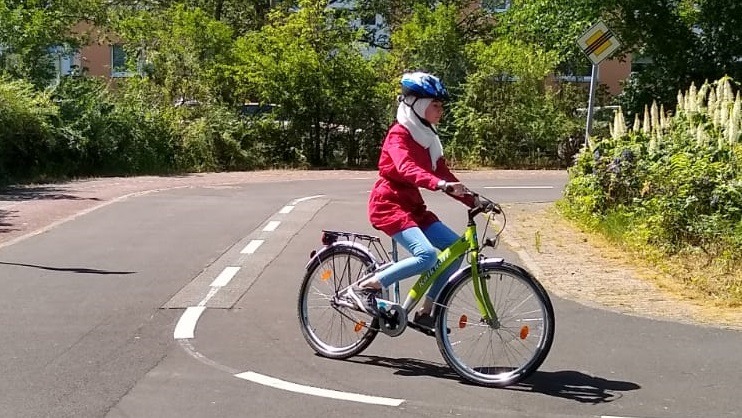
[411, 158]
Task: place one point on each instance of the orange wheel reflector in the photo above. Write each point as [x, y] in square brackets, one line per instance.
[326, 275]
[359, 326]
[462, 321]
[524, 332]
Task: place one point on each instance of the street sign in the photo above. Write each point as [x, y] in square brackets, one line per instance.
[598, 43]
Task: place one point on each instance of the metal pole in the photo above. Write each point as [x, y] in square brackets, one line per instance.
[591, 103]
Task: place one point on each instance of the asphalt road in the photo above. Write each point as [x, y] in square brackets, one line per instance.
[164, 305]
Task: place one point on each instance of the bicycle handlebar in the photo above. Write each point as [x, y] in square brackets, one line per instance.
[481, 203]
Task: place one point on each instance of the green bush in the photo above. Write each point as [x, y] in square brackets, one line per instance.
[211, 138]
[28, 128]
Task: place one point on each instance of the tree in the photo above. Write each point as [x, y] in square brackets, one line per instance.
[684, 40]
[505, 114]
[30, 29]
[308, 63]
[241, 15]
[433, 40]
[182, 48]
[550, 25]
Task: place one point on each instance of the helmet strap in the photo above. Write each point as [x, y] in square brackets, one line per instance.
[422, 119]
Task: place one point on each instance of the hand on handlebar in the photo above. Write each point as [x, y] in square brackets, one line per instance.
[455, 189]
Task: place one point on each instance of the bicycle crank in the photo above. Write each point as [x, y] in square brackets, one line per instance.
[392, 318]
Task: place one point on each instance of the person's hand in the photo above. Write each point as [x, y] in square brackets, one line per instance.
[455, 189]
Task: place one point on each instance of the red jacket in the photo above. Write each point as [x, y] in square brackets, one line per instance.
[395, 203]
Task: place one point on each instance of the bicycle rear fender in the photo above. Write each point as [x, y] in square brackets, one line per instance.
[364, 250]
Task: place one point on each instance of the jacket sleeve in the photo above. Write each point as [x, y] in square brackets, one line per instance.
[411, 160]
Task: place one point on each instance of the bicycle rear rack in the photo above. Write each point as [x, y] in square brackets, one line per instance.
[384, 258]
[373, 243]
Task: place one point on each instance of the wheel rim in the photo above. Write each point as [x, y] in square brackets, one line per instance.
[499, 351]
[333, 329]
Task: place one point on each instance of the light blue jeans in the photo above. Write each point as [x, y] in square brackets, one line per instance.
[422, 245]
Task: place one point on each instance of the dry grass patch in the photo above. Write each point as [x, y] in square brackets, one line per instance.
[586, 267]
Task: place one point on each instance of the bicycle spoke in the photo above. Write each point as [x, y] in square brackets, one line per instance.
[495, 351]
[331, 329]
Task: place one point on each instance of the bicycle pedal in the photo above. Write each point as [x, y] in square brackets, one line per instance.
[425, 330]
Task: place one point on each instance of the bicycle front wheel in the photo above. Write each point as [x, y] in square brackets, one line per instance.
[496, 351]
[331, 330]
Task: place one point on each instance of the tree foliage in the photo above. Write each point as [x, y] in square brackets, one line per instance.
[309, 64]
[180, 49]
[505, 112]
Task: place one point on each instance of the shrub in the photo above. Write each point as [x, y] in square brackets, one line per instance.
[28, 127]
[673, 182]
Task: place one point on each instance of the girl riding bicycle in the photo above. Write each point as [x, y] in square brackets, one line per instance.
[411, 158]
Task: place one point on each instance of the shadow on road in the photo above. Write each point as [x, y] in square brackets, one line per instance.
[566, 384]
[6, 226]
[81, 270]
[576, 386]
[408, 366]
[20, 193]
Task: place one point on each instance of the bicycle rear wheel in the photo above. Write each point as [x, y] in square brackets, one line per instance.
[497, 352]
[331, 330]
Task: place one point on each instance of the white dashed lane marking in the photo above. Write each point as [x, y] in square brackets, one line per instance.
[271, 226]
[225, 276]
[185, 331]
[252, 246]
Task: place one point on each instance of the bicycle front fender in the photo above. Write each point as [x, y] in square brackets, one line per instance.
[465, 272]
[357, 246]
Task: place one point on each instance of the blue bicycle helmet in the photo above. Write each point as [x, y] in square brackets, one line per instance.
[424, 86]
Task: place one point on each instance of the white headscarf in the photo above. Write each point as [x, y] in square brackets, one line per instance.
[423, 135]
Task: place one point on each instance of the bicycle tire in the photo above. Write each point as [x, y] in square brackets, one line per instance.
[512, 349]
[350, 331]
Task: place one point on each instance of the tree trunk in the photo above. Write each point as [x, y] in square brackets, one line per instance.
[218, 9]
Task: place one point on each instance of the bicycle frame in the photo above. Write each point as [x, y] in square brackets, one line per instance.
[466, 245]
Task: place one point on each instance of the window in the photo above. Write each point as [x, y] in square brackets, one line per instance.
[496, 6]
[65, 61]
[640, 62]
[118, 61]
[580, 72]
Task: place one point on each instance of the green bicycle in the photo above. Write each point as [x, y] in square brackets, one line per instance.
[494, 322]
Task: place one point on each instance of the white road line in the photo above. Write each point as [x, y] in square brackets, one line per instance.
[286, 209]
[303, 199]
[252, 246]
[518, 187]
[310, 390]
[212, 292]
[271, 226]
[187, 323]
[225, 276]
[611, 416]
